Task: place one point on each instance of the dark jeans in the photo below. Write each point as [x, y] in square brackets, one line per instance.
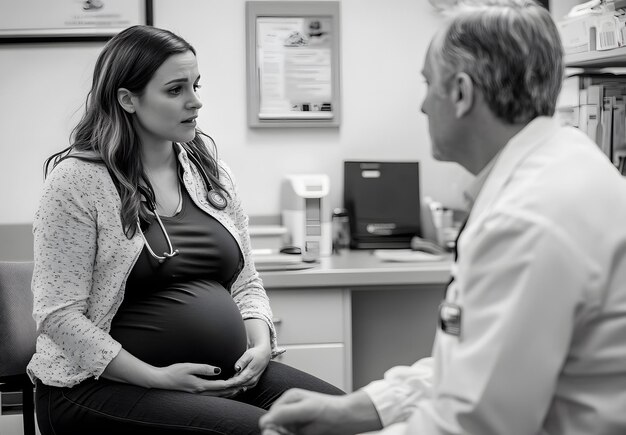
[106, 407]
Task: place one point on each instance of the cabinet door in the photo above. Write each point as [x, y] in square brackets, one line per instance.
[327, 362]
[308, 316]
[12, 424]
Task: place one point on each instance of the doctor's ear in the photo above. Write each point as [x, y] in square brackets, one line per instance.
[126, 100]
[462, 94]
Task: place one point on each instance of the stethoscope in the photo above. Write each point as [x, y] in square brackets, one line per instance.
[215, 198]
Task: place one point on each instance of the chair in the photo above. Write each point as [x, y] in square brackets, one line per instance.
[17, 335]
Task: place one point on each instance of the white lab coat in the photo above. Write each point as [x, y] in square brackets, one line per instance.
[541, 282]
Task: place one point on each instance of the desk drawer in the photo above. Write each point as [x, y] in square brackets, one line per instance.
[327, 362]
[13, 424]
[308, 316]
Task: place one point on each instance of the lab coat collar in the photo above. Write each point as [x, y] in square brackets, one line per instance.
[471, 193]
[504, 165]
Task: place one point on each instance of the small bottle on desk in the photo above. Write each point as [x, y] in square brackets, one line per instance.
[340, 230]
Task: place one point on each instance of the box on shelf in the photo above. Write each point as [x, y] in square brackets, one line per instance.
[578, 34]
[608, 32]
[593, 29]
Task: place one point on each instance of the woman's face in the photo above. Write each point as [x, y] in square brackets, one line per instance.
[167, 110]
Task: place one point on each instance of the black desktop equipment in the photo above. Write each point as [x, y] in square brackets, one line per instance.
[383, 203]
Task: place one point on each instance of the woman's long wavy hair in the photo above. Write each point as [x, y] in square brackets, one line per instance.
[128, 60]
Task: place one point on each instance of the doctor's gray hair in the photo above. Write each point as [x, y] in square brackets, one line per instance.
[511, 50]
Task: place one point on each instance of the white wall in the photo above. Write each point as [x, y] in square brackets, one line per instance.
[383, 43]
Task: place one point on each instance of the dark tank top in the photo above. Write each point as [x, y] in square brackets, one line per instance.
[180, 310]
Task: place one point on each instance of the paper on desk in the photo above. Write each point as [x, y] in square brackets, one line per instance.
[272, 262]
[406, 255]
[263, 258]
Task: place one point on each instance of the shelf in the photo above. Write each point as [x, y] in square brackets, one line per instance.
[598, 59]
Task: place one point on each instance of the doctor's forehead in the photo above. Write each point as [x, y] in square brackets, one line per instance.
[427, 68]
[432, 58]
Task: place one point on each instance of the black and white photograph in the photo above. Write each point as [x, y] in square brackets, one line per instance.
[313, 217]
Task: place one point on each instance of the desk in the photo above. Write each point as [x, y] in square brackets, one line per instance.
[353, 316]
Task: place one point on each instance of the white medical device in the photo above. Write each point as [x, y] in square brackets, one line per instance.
[306, 214]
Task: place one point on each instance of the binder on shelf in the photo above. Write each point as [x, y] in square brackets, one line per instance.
[592, 113]
[606, 120]
[593, 127]
[619, 129]
[601, 110]
[589, 72]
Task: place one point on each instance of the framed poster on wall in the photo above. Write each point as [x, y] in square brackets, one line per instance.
[69, 20]
[293, 63]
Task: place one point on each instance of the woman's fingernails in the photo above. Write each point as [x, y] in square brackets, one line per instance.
[237, 368]
[217, 370]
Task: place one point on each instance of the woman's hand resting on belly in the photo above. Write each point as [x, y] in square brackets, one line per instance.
[189, 377]
[253, 362]
[249, 369]
[251, 366]
[194, 377]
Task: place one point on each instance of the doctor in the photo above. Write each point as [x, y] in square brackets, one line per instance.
[532, 332]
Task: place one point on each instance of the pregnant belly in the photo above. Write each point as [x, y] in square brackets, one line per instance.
[196, 321]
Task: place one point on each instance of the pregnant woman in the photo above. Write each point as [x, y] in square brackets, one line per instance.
[152, 318]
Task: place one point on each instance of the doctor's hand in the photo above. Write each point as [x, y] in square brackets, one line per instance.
[309, 413]
[251, 366]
